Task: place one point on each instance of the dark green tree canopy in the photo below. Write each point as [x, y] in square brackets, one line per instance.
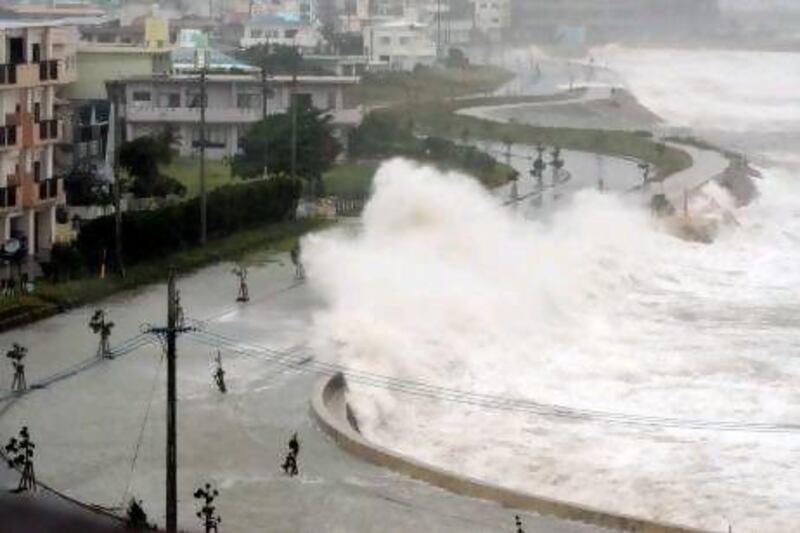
[275, 59]
[141, 157]
[270, 142]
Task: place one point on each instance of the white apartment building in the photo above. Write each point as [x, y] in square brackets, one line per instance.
[36, 60]
[492, 17]
[234, 104]
[282, 30]
[401, 44]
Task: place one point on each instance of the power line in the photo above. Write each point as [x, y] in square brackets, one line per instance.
[495, 402]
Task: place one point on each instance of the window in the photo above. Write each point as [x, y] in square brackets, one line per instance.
[245, 100]
[194, 100]
[303, 100]
[169, 100]
[404, 41]
[256, 34]
[141, 96]
[386, 41]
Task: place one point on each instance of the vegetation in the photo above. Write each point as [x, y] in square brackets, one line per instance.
[441, 119]
[85, 186]
[157, 233]
[51, 297]
[276, 59]
[186, 170]
[386, 135]
[427, 84]
[141, 158]
[316, 149]
[350, 180]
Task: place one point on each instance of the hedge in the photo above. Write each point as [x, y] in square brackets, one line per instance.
[151, 234]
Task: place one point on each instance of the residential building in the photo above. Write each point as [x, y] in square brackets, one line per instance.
[401, 44]
[234, 104]
[284, 29]
[492, 17]
[37, 59]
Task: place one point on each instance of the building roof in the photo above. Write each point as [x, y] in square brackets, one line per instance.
[184, 59]
[119, 48]
[292, 20]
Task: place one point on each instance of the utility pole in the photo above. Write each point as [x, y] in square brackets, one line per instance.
[172, 445]
[264, 112]
[203, 193]
[438, 29]
[293, 104]
[115, 90]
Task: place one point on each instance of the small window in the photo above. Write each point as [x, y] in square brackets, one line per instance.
[245, 100]
[386, 41]
[141, 96]
[256, 34]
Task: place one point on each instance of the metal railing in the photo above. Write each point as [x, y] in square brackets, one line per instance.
[48, 70]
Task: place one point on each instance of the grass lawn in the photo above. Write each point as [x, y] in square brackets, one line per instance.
[349, 180]
[440, 119]
[187, 171]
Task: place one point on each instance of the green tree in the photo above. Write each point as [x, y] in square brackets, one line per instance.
[276, 59]
[85, 186]
[317, 149]
[141, 157]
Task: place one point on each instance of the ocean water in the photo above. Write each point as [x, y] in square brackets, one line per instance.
[596, 307]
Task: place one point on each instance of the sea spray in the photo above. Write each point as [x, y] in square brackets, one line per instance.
[596, 308]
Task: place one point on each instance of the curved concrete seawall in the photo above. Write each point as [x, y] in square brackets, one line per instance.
[329, 407]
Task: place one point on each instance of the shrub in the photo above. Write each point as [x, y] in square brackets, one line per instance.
[151, 234]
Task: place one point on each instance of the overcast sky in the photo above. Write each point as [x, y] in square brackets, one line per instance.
[760, 4]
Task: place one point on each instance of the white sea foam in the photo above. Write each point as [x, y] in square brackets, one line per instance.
[595, 308]
[729, 90]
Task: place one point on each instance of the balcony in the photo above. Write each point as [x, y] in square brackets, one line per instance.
[9, 139]
[42, 73]
[214, 115]
[8, 75]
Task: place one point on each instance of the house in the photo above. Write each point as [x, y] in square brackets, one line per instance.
[234, 104]
[287, 29]
[402, 44]
[37, 59]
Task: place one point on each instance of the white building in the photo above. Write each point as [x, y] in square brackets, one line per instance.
[400, 43]
[281, 29]
[492, 17]
[234, 104]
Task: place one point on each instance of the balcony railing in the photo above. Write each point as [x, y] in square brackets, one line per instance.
[8, 197]
[48, 129]
[8, 74]
[8, 136]
[48, 70]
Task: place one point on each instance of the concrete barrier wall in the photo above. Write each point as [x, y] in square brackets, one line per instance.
[331, 411]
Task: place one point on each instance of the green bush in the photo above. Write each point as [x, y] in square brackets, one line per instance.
[152, 234]
[66, 263]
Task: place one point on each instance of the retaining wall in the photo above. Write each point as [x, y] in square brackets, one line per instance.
[331, 411]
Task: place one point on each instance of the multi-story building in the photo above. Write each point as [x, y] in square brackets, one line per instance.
[492, 17]
[233, 105]
[400, 43]
[603, 20]
[36, 61]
